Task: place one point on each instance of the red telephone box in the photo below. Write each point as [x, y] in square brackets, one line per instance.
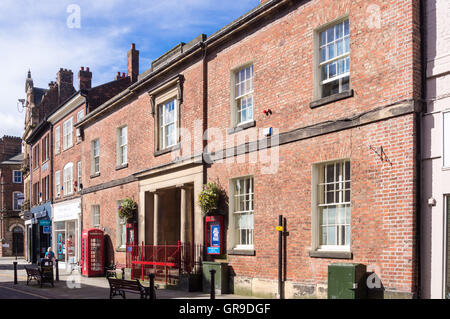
[214, 235]
[92, 251]
[132, 239]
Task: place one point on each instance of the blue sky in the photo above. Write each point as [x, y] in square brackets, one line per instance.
[36, 35]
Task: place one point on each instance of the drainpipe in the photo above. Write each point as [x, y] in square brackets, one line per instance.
[423, 46]
[204, 47]
[51, 183]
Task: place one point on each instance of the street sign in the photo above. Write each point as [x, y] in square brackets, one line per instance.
[47, 230]
[45, 222]
[279, 228]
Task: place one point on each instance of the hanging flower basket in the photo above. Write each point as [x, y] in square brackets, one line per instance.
[127, 209]
[209, 197]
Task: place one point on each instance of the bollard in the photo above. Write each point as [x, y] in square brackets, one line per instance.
[15, 272]
[213, 284]
[57, 270]
[123, 273]
[152, 286]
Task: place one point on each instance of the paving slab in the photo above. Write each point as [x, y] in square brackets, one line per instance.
[75, 286]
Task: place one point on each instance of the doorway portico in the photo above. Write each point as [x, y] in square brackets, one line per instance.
[168, 211]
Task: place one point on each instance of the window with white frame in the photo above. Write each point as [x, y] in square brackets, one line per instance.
[17, 177]
[79, 176]
[243, 95]
[58, 184]
[68, 179]
[17, 200]
[446, 150]
[95, 211]
[95, 157]
[334, 206]
[167, 123]
[121, 229]
[80, 116]
[122, 145]
[243, 213]
[334, 59]
[67, 134]
[57, 139]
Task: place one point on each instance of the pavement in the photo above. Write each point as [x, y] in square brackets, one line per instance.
[75, 286]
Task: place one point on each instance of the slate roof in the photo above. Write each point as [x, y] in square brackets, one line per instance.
[16, 159]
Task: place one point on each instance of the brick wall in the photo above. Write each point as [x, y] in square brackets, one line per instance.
[70, 155]
[382, 204]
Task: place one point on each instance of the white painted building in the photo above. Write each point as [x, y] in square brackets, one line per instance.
[435, 216]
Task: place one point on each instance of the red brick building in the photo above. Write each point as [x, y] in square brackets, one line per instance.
[67, 172]
[332, 86]
[11, 197]
[38, 139]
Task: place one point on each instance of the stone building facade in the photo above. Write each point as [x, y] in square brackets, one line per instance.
[11, 197]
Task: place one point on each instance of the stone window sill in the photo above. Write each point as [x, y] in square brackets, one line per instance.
[121, 166]
[167, 150]
[95, 175]
[331, 254]
[331, 99]
[121, 249]
[241, 252]
[241, 127]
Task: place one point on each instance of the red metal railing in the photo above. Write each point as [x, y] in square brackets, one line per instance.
[167, 262]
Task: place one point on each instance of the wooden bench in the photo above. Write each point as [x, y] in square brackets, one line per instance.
[111, 272]
[120, 287]
[36, 274]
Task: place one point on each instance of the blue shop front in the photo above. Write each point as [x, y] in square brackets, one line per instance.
[39, 231]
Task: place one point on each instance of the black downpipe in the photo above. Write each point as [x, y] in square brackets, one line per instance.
[423, 46]
[280, 257]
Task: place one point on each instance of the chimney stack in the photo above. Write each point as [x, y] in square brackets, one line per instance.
[84, 79]
[133, 63]
[64, 76]
[64, 81]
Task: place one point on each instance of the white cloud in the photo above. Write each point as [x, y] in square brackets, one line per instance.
[34, 35]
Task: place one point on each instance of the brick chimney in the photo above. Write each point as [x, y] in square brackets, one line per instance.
[9, 146]
[84, 79]
[64, 76]
[64, 80]
[133, 63]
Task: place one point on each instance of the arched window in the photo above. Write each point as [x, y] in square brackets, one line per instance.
[17, 230]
